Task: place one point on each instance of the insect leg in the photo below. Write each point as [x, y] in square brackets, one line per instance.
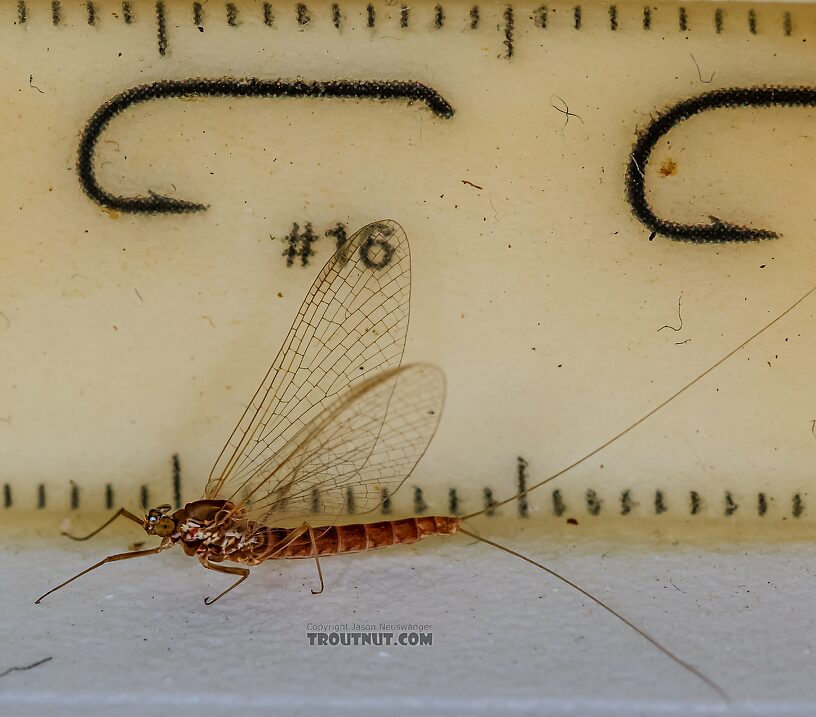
[121, 511]
[243, 572]
[109, 559]
[291, 538]
[316, 557]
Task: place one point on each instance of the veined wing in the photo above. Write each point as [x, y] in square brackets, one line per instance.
[351, 326]
[355, 453]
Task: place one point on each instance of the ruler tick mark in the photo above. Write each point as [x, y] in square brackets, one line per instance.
[797, 506]
[509, 25]
[682, 19]
[474, 17]
[349, 501]
[559, 508]
[576, 17]
[420, 506]
[647, 18]
[404, 13]
[453, 501]
[659, 502]
[752, 21]
[74, 496]
[22, 12]
[489, 501]
[787, 23]
[161, 27]
[91, 13]
[613, 18]
[521, 475]
[718, 20]
[41, 496]
[198, 15]
[540, 17]
[268, 15]
[232, 14]
[337, 17]
[439, 17]
[627, 503]
[6, 495]
[593, 502]
[730, 504]
[55, 12]
[108, 496]
[176, 480]
[385, 506]
[521, 482]
[371, 15]
[302, 14]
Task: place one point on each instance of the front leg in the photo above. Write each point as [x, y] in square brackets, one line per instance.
[122, 511]
[109, 559]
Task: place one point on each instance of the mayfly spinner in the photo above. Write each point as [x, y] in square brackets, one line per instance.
[336, 420]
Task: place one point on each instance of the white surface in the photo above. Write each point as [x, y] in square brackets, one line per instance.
[135, 637]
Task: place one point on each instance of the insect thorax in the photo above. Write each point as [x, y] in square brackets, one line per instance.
[215, 528]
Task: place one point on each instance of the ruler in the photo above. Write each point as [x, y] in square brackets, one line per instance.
[602, 200]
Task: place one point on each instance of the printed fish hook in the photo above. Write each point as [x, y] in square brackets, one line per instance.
[730, 98]
[226, 87]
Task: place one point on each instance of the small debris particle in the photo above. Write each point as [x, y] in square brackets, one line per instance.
[34, 87]
[668, 168]
[26, 667]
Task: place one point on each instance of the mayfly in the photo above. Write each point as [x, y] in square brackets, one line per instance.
[337, 420]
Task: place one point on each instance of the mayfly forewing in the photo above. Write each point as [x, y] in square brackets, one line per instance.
[367, 441]
[351, 326]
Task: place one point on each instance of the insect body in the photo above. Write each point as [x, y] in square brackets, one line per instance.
[335, 418]
[216, 531]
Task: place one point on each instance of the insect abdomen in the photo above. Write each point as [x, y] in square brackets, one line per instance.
[336, 539]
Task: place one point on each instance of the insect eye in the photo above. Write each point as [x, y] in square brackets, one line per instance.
[164, 527]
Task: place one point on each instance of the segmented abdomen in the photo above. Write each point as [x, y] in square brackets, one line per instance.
[274, 543]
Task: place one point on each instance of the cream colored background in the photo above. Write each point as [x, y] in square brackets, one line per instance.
[95, 404]
[539, 294]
